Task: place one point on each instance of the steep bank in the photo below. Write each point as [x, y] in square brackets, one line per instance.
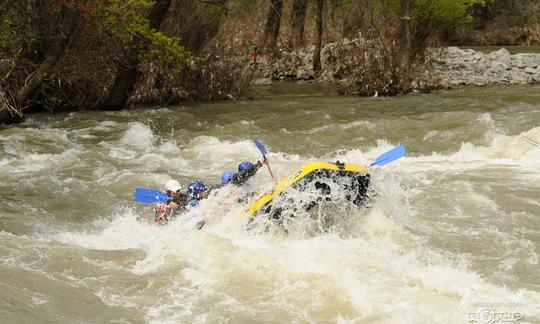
[452, 66]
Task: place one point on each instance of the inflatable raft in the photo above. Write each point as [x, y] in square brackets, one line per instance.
[317, 180]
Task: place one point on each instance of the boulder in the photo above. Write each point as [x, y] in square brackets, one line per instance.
[518, 63]
[453, 50]
[262, 82]
[501, 55]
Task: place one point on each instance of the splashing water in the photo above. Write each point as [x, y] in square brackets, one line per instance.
[449, 231]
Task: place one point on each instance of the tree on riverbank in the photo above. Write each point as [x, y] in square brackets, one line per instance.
[390, 57]
[298, 21]
[74, 54]
[68, 52]
[63, 55]
[273, 23]
[318, 35]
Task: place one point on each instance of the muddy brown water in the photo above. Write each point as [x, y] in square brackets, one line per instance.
[453, 233]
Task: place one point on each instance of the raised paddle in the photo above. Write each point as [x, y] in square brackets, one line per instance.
[262, 148]
[150, 196]
[390, 156]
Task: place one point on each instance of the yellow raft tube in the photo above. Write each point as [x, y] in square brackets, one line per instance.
[357, 180]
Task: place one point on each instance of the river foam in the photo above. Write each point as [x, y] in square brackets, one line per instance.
[452, 229]
[378, 271]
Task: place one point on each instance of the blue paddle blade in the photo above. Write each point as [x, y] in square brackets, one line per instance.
[260, 146]
[150, 196]
[390, 156]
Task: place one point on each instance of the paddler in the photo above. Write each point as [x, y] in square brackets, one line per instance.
[170, 210]
[197, 191]
[234, 181]
[246, 170]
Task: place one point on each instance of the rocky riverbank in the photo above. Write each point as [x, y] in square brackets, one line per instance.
[457, 67]
[452, 67]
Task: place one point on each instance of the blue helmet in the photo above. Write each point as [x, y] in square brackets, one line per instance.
[196, 187]
[244, 166]
[226, 177]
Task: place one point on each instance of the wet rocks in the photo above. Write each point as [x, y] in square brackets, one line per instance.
[262, 81]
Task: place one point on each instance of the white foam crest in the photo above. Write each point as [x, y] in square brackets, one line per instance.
[524, 147]
[14, 145]
[485, 120]
[31, 163]
[377, 272]
[52, 134]
[247, 122]
[169, 147]
[12, 138]
[356, 156]
[436, 134]
[212, 147]
[380, 271]
[362, 124]
[106, 125]
[516, 151]
[211, 156]
[463, 191]
[503, 147]
[378, 278]
[320, 129]
[123, 232]
[30, 141]
[138, 136]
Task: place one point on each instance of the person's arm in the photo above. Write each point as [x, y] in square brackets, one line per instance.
[241, 177]
[160, 216]
[180, 202]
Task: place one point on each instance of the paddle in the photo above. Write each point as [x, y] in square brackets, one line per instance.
[150, 196]
[262, 148]
[390, 156]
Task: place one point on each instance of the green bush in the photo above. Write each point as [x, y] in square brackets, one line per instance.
[126, 20]
[448, 18]
[444, 19]
[6, 47]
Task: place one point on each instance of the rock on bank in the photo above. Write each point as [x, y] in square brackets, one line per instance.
[457, 67]
[452, 67]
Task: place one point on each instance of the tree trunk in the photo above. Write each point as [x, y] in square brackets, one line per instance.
[51, 58]
[273, 22]
[299, 9]
[404, 32]
[128, 72]
[318, 35]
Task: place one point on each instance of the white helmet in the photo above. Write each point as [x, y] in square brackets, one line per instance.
[173, 185]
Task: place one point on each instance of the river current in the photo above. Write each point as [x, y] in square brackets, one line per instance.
[452, 234]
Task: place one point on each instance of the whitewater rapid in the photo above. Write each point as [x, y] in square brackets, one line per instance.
[452, 231]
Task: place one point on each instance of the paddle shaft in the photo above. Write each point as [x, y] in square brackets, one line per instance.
[268, 166]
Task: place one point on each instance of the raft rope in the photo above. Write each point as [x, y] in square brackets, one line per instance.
[529, 140]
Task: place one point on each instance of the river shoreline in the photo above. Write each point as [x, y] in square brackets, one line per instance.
[452, 67]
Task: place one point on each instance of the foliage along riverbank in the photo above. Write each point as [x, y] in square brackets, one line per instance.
[60, 55]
